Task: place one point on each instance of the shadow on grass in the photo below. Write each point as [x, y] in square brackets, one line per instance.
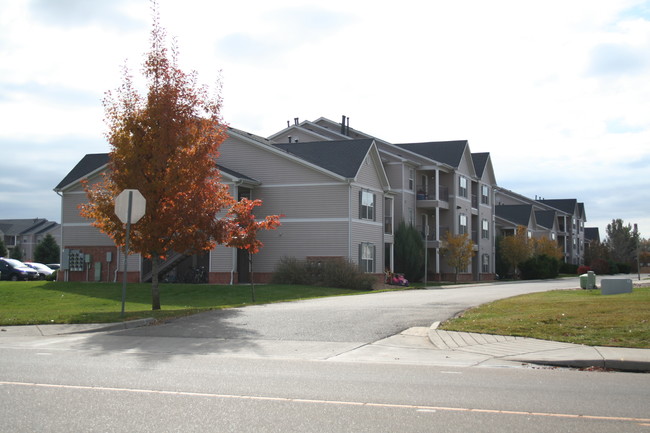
[209, 333]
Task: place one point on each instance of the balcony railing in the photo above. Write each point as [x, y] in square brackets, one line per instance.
[429, 193]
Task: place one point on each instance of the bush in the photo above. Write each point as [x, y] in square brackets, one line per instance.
[583, 269]
[624, 268]
[600, 266]
[539, 267]
[568, 268]
[337, 273]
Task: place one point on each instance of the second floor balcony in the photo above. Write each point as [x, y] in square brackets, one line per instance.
[427, 198]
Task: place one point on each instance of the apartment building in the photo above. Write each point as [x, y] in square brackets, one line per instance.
[342, 193]
[331, 197]
[561, 220]
[25, 234]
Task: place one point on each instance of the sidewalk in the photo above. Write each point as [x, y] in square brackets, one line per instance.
[533, 351]
[419, 346]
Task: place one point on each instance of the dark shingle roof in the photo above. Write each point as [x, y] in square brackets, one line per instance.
[592, 234]
[235, 173]
[545, 218]
[87, 165]
[447, 152]
[567, 205]
[342, 157]
[92, 162]
[480, 162]
[25, 226]
[515, 213]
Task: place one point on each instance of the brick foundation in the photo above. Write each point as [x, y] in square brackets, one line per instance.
[97, 254]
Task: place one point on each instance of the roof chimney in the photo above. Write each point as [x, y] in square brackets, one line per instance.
[295, 120]
[343, 124]
[288, 124]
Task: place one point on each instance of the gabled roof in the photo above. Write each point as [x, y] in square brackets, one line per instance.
[480, 161]
[592, 234]
[567, 205]
[235, 175]
[448, 152]
[251, 136]
[343, 157]
[518, 214]
[545, 218]
[87, 165]
[26, 226]
[95, 161]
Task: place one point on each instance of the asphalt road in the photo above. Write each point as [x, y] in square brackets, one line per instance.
[278, 368]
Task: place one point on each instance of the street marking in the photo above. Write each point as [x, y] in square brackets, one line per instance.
[420, 408]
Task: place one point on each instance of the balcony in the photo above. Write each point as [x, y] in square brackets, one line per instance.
[426, 198]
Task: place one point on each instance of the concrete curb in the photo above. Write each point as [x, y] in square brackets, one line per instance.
[81, 328]
[542, 352]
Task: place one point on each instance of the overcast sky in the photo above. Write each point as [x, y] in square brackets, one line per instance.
[557, 91]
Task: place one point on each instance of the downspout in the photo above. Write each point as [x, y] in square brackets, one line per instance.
[65, 273]
[350, 219]
[233, 261]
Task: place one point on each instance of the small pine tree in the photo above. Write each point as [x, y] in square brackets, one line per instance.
[409, 252]
[47, 250]
[3, 248]
[17, 253]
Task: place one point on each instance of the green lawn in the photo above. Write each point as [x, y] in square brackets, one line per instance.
[574, 316]
[38, 302]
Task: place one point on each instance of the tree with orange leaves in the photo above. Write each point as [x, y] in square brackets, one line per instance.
[165, 144]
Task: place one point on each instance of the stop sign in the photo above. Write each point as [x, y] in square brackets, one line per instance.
[138, 206]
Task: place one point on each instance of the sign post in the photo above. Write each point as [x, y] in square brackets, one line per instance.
[130, 206]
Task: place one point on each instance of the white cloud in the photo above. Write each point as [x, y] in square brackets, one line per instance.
[555, 90]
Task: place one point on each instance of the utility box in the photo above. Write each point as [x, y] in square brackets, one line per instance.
[591, 280]
[614, 286]
[98, 271]
[588, 280]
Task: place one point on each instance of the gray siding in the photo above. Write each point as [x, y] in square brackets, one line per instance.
[266, 165]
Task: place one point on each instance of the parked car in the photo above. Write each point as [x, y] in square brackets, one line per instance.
[43, 270]
[53, 266]
[14, 270]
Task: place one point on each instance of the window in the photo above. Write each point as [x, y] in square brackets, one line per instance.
[485, 264]
[485, 229]
[388, 216]
[462, 224]
[366, 205]
[411, 179]
[367, 257]
[485, 195]
[462, 187]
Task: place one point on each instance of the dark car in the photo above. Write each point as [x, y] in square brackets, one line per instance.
[14, 270]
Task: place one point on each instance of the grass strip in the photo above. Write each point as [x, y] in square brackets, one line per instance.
[42, 302]
[572, 316]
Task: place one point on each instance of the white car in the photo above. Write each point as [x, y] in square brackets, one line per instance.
[43, 271]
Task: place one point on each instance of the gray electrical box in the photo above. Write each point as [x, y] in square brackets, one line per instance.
[98, 271]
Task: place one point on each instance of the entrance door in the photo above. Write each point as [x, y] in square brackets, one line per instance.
[243, 267]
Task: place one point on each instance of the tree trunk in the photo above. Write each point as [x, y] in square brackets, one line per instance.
[155, 292]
